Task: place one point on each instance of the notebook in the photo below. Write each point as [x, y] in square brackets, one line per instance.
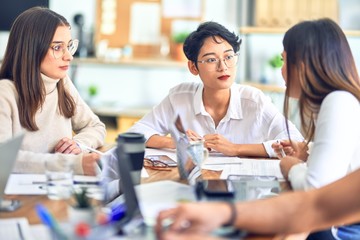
[8, 154]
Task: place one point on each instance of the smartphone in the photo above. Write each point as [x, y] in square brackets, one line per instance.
[162, 158]
[9, 205]
[218, 187]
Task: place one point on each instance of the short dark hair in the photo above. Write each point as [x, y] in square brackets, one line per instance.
[195, 40]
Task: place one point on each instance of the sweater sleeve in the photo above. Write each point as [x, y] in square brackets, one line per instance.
[30, 162]
[88, 128]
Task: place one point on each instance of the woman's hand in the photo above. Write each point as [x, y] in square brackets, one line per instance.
[220, 144]
[89, 162]
[193, 218]
[193, 136]
[287, 163]
[67, 146]
[296, 149]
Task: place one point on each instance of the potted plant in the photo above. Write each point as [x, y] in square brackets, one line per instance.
[178, 40]
[81, 209]
[271, 70]
[93, 91]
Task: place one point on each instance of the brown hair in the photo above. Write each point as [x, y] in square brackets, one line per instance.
[319, 57]
[29, 41]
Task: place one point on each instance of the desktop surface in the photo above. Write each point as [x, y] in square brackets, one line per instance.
[59, 207]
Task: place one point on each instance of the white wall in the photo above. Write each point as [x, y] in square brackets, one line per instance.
[135, 86]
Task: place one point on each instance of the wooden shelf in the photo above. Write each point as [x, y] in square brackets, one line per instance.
[277, 30]
[139, 62]
[266, 87]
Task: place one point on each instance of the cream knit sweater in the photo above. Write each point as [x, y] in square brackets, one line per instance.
[39, 146]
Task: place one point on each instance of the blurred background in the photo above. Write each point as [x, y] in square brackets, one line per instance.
[127, 60]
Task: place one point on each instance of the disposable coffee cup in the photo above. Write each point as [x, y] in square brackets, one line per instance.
[134, 146]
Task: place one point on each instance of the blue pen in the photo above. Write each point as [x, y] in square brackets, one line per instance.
[49, 221]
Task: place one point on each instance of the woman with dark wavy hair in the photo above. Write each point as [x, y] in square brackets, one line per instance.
[38, 97]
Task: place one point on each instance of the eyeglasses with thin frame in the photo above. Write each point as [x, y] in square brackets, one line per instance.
[212, 64]
[60, 48]
[156, 165]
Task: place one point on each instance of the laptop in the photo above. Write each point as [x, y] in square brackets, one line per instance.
[8, 153]
[11, 228]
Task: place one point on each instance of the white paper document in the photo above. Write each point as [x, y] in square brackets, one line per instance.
[263, 167]
[168, 195]
[15, 228]
[35, 184]
[26, 184]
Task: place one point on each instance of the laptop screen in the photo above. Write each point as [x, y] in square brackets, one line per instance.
[8, 154]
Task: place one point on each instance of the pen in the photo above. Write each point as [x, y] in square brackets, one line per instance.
[76, 182]
[20, 231]
[89, 148]
[92, 150]
[282, 152]
[48, 220]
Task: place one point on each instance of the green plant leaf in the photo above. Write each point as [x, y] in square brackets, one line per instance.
[180, 37]
[81, 198]
[276, 61]
[93, 90]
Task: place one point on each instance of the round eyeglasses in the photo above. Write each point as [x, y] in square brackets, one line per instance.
[213, 64]
[60, 48]
[156, 165]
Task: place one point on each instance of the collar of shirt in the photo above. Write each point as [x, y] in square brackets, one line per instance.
[234, 109]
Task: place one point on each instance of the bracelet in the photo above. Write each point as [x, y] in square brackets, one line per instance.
[233, 214]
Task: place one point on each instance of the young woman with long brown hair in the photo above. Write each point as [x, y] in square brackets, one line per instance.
[38, 98]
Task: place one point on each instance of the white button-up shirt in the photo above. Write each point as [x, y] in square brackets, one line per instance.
[251, 118]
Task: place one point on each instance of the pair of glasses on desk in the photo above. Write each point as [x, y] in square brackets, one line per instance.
[156, 165]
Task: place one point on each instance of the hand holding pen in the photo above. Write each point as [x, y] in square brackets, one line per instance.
[67, 146]
[279, 149]
[92, 150]
[293, 149]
